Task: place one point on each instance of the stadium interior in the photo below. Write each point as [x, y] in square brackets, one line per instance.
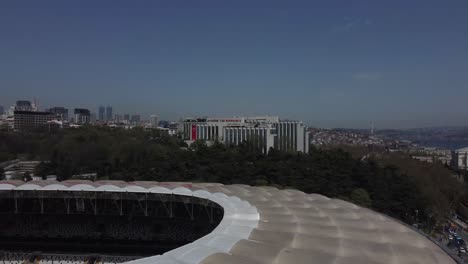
[70, 227]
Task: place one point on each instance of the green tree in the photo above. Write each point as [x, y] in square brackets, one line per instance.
[361, 197]
[27, 176]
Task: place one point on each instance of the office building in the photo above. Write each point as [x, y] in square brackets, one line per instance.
[2, 110]
[82, 116]
[109, 115]
[291, 136]
[188, 124]
[126, 117]
[61, 113]
[102, 111]
[154, 121]
[31, 120]
[118, 118]
[261, 137]
[264, 132]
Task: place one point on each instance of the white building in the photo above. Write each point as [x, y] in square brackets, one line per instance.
[292, 136]
[460, 159]
[266, 131]
[154, 121]
[261, 137]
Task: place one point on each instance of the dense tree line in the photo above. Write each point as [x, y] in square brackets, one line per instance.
[392, 184]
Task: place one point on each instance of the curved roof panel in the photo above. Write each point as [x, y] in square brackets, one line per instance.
[109, 188]
[54, 187]
[6, 186]
[28, 187]
[81, 187]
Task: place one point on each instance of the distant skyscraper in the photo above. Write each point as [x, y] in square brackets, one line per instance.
[61, 113]
[102, 110]
[1, 110]
[154, 120]
[118, 117]
[82, 116]
[109, 115]
[92, 117]
[135, 118]
[126, 117]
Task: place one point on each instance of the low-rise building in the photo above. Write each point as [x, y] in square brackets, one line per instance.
[460, 159]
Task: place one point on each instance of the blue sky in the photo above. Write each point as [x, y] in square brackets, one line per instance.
[331, 63]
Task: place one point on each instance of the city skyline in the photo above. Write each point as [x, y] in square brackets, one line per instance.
[330, 64]
[127, 115]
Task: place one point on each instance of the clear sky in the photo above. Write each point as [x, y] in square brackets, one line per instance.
[330, 63]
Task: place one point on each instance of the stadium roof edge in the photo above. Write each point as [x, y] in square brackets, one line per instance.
[267, 225]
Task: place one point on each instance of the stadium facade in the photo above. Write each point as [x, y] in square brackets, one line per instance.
[264, 132]
[259, 225]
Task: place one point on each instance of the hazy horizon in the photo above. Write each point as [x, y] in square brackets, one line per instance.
[331, 64]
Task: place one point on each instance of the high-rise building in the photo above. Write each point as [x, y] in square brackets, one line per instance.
[264, 132]
[154, 121]
[102, 111]
[82, 116]
[118, 118]
[109, 115]
[92, 117]
[126, 117]
[2, 110]
[30, 120]
[61, 113]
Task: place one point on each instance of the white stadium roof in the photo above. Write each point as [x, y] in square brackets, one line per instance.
[263, 225]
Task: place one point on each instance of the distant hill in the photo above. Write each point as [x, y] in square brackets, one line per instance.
[443, 137]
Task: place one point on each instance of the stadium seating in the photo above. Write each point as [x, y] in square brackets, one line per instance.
[115, 259]
[12, 258]
[62, 259]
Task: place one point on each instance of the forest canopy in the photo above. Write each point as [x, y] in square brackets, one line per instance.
[393, 184]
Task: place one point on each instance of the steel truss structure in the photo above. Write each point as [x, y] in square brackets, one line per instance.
[109, 203]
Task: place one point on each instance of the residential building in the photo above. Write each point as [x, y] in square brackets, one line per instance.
[82, 116]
